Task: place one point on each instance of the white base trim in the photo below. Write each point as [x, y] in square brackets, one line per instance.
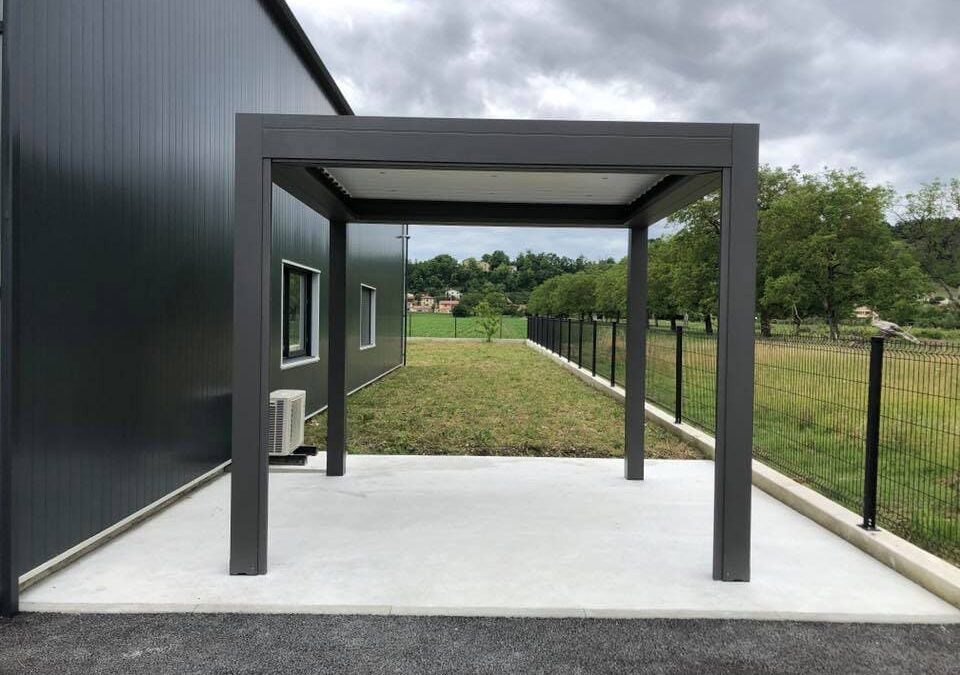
[923, 568]
[60, 561]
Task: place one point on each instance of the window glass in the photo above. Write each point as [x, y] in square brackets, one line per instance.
[297, 308]
[368, 304]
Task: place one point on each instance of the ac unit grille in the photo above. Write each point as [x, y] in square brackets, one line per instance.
[285, 421]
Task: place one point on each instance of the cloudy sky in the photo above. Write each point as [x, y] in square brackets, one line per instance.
[868, 83]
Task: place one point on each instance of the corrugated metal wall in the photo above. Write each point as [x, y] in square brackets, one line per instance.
[122, 121]
[375, 258]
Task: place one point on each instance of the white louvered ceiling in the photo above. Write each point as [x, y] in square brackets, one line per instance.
[514, 187]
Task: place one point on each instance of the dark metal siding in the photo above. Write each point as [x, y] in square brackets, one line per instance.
[375, 258]
[122, 130]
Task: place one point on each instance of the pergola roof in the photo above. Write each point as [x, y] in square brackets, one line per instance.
[517, 172]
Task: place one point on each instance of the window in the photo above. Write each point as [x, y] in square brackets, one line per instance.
[368, 316]
[300, 314]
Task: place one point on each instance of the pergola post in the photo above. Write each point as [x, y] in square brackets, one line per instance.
[636, 351]
[734, 451]
[251, 351]
[337, 351]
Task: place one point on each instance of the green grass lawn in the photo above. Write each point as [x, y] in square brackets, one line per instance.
[448, 326]
[487, 399]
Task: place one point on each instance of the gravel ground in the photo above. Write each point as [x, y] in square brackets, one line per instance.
[237, 643]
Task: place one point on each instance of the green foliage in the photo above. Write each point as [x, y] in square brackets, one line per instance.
[828, 248]
[930, 226]
[488, 319]
[489, 293]
[823, 248]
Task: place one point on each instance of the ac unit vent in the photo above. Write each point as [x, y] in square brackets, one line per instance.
[285, 433]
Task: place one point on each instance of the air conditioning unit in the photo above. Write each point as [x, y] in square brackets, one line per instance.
[285, 433]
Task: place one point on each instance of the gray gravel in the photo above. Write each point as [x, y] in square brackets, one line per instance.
[288, 644]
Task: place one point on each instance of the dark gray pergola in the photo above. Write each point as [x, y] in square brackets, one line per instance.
[493, 172]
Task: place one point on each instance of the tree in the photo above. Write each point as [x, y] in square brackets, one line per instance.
[611, 290]
[488, 319]
[930, 225]
[660, 299]
[835, 249]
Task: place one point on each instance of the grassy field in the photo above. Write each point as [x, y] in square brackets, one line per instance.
[447, 325]
[487, 399]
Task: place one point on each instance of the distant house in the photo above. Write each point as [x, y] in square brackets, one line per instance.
[426, 303]
[485, 266]
[863, 312]
[453, 294]
[446, 306]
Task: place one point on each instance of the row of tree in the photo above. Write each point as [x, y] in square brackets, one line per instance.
[825, 246]
[494, 273]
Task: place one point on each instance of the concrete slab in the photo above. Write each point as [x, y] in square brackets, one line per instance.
[488, 536]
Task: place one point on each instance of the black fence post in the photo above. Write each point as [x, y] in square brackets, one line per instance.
[593, 352]
[569, 337]
[613, 353]
[872, 456]
[580, 344]
[454, 325]
[678, 394]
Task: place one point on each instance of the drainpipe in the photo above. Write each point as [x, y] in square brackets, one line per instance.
[405, 247]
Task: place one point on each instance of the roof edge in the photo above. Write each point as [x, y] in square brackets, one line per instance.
[293, 31]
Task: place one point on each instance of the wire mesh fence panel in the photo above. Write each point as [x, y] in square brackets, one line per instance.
[659, 375]
[810, 417]
[604, 341]
[699, 403]
[621, 353]
[918, 492]
[810, 408]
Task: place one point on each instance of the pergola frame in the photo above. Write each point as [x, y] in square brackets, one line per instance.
[292, 150]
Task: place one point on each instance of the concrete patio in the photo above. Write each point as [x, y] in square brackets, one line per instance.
[487, 536]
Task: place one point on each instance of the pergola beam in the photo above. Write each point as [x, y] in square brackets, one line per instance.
[669, 195]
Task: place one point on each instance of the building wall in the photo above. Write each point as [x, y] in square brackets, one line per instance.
[375, 258]
[122, 128]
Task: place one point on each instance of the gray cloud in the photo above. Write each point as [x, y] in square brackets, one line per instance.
[870, 83]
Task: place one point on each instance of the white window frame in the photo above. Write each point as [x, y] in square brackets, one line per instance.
[314, 355]
[373, 317]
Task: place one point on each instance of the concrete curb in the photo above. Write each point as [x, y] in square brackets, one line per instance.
[923, 568]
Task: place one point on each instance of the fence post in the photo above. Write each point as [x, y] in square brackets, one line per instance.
[613, 353]
[580, 344]
[872, 455]
[454, 325]
[678, 394]
[569, 337]
[593, 352]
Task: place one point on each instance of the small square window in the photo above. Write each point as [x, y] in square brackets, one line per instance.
[368, 316]
[299, 312]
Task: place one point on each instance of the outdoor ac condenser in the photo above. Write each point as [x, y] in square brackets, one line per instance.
[286, 421]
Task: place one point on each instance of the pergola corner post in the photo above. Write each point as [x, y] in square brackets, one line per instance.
[337, 351]
[636, 343]
[251, 349]
[734, 429]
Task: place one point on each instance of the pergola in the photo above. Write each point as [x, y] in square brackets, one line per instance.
[493, 172]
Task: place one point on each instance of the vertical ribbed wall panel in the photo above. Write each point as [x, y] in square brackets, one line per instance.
[122, 122]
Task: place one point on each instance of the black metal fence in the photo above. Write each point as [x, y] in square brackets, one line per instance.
[872, 424]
